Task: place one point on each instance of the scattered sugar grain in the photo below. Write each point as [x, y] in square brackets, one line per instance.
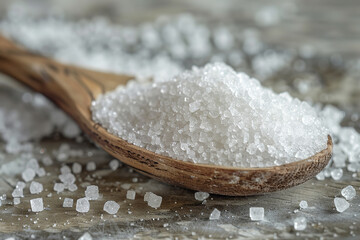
[65, 169]
[256, 213]
[92, 192]
[67, 178]
[130, 194]
[37, 205]
[72, 187]
[114, 164]
[300, 223]
[68, 202]
[76, 168]
[201, 196]
[36, 187]
[16, 201]
[348, 192]
[41, 172]
[341, 204]
[153, 200]
[303, 204]
[90, 166]
[215, 214]
[86, 236]
[82, 205]
[28, 174]
[111, 207]
[59, 187]
[336, 173]
[18, 192]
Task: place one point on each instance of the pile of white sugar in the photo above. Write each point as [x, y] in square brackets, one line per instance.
[213, 115]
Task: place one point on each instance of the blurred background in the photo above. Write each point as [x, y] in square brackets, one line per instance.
[309, 48]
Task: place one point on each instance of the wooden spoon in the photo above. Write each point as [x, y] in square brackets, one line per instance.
[73, 88]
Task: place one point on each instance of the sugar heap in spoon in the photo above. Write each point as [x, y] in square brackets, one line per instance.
[213, 115]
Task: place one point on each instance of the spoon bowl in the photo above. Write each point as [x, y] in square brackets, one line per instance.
[73, 89]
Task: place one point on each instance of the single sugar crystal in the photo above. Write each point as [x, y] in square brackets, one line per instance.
[28, 174]
[82, 205]
[300, 223]
[303, 204]
[76, 168]
[36, 187]
[72, 187]
[154, 200]
[348, 192]
[37, 204]
[18, 192]
[90, 166]
[341, 204]
[68, 202]
[92, 192]
[201, 196]
[16, 201]
[86, 236]
[59, 187]
[111, 207]
[146, 196]
[215, 214]
[130, 194]
[67, 178]
[65, 169]
[40, 172]
[114, 164]
[336, 173]
[256, 213]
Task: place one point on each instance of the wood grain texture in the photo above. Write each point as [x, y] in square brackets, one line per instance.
[73, 88]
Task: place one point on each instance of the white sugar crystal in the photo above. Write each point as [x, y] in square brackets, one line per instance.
[86, 236]
[320, 176]
[215, 214]
[47, 161]
[146, 196]
[348, 192]
[28, 174]
[130, 194]
[90, 166]
[40, 172]
[300, 223]
[20, 185]
[37, 204]
[72, 187]
[303, 204]
[59, 187]
[256, 213]
[216, 116]
[67, 178]
[111, 207]
[18, 192]
[341, 204]
[92, 192]
[201, 196]
[76, 168]
[65, 169]
[336, 173]
[68, 202]
[16, 201]
[36, 187]
[82, 205]
[153, 200]
[114, 164]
